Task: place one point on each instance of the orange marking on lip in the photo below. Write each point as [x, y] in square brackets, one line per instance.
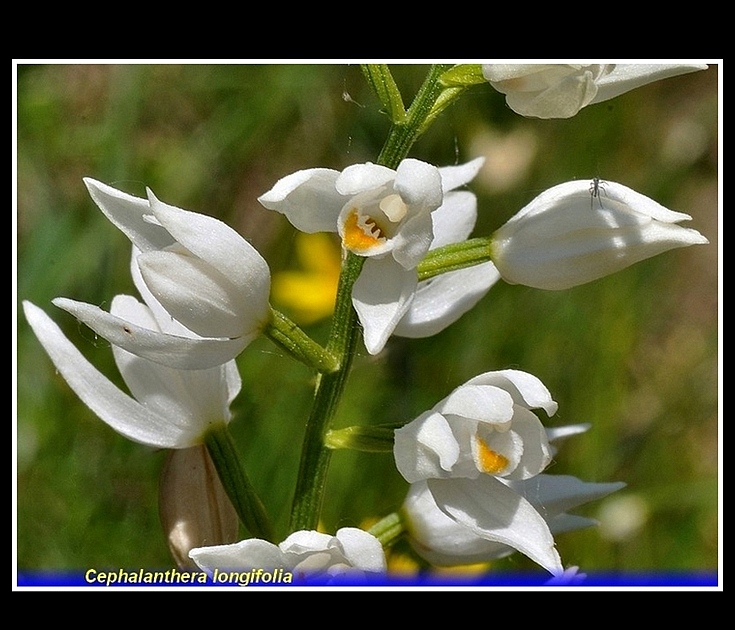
[360, 236]
[490, 461]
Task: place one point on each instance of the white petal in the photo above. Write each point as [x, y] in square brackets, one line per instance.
[220, 246]
[461, 174]
[536, 453]
[128, 214]
[232, 381]
[496, 72]
[544, 90]
[638, 203]
[560, 90]
[197, 397]
[308, 198]
[559, 433]
[180, 352]
[245, 555]
[419, 184]
[362, 550]
[200, 297]
[426, 447]
[480, 402]
[569, 523]
[381, 296]
[413, 240]
[360, 178]
[439, 538]
[304, 541]
[525, 388]
[555, 494]
[563, 100]
[455, 219]
[441, 301]
[494, 512]
[121, 412]
[628, 76]
[163, 319]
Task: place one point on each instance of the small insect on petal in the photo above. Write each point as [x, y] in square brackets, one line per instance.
[596, 186]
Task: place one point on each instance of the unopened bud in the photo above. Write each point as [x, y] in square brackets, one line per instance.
[194, 508]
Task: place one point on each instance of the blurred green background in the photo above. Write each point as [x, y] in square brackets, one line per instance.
[634, 354]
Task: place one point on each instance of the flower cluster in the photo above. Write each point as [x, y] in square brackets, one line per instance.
[201, 271]
[169, 408]
[475, 463]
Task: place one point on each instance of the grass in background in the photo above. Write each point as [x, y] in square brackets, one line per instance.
[634, 354]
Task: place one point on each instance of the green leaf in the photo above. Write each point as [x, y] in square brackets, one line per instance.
[463, 75]
[446, 97]
[381, 80]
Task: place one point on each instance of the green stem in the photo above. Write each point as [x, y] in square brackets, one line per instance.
[286, 334]
[368, 439]
[403, 134]
[315, 455]
[455, 256]
[388, 529]
[236, 483]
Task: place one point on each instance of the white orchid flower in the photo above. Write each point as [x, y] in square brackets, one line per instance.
[562, 90]
[579, 231]
[452, 523]
[307, 554]
[386, 216]
[484, 427]
[203, 273]
[169, 408]
[468, 447]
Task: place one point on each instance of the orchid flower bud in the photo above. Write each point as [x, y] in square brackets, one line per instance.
[560, 90]
[577, 232]
[194, 508]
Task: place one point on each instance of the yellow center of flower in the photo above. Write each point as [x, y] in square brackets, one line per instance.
[361, 233]
[490, 462]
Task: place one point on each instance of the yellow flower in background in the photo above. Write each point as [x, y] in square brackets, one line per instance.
[309, 294]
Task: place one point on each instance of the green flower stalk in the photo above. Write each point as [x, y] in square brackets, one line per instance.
[404, 216]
